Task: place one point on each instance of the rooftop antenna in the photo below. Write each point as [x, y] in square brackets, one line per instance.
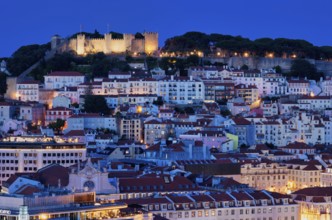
[108, 28]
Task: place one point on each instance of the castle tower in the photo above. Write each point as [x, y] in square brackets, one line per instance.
[128, 41]
[108, 40]
[151, 42]
[55, 41]
[80, 48]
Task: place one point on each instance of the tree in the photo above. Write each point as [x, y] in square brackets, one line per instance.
[244, 146]
[302, 68]
[159, 101]
[3, 83]
[189, 110]
[277, 69]
[57, 125]
[193, 60]
[96, 104]
[225, 112]
[244, 67]
[75, 105]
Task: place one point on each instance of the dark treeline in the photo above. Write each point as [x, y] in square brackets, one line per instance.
[259, 47]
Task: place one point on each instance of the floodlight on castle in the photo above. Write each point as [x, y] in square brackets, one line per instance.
[83, 45]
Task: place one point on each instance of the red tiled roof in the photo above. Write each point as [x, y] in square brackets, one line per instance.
[202, 198]
[241, 121]
[28, 82]
[162, 183]
[60, 73]
[27, 190]
[180, 199]
[60, 109]
[241, 196]
[52, 174]
[314, 191]
[75, 133]
[221, 197]
[297, 145]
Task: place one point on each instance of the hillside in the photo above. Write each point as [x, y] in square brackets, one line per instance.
[231, 45]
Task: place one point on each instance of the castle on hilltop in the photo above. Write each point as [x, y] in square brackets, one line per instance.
[82, 45]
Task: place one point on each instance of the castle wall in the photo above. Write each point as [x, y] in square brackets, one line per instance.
[95, 45]
[137, 46]
[128, 38]
[118, 46]
[266, 63]
[72, 45]
[107, 44]
[80, 42]
[151, 42]
[82, 45]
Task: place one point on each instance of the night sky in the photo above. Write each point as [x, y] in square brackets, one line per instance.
[29, 22]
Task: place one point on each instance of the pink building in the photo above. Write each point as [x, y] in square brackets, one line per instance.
[58, 112]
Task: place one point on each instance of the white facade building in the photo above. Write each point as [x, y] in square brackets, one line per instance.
[58, 80]
[90, 121]
[29, 154]
[181, 90]
[27, 91]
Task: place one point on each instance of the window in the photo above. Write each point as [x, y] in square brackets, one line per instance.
[213, 212]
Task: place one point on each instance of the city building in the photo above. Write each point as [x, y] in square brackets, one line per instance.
[131, 128]
[314, 202]
[60, 80]
[27, 90]
[90, 121]
[62, 113]
[29, 153]
[181, 90]
[265, 176]
[230, 205]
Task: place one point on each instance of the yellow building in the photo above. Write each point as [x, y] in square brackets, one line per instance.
[268, 176]
[303, 175]
[315, 203]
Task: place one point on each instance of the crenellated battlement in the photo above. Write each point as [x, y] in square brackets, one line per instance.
[97, 39]
[83, 45]
[150, 33]
[117, 39]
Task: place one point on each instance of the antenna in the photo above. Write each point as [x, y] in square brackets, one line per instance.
[108, 28]
[81, 28]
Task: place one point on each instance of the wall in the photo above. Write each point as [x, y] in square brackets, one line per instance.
[151, 42]
[266, 63]
[82, 45]
[117, 46]
[137, 45]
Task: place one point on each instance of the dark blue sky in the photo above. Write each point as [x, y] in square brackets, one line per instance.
[28, 22]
